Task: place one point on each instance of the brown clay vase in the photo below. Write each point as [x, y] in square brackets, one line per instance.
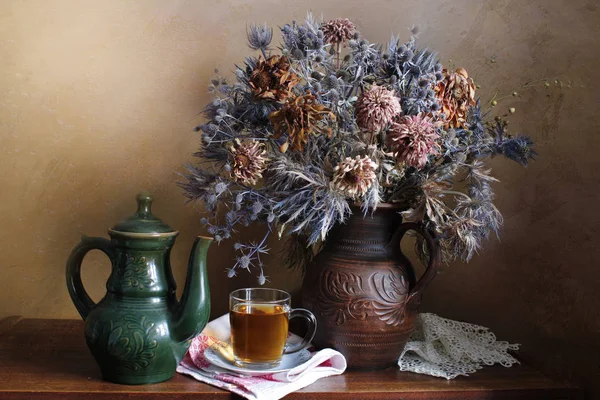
[363, 290]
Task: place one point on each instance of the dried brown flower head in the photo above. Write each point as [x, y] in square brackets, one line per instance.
[354, 176]
[456, 93]
[375, 108]
[298, 118]
[412, 139]
[428, 201]
[248, 161]
[338, 30]
[273, 79]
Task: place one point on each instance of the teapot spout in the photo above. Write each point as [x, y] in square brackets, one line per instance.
[192, 312]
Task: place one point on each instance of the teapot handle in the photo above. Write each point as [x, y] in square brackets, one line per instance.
[79, 296]
[433, 249]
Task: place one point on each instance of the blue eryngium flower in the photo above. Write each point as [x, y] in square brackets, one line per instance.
[259, 37]
[452, 193]
[518, 149]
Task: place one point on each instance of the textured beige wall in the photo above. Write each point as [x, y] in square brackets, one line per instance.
[99, 100]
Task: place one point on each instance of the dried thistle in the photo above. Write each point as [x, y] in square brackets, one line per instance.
[412, 139]
[429, 203]
[248, 161]
[460, 238]
[379, 105]
[298, 118]
[354, 176]
[259, 37]
[338, 30]
[376, 108]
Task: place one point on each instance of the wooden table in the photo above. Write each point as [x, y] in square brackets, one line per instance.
[48, 359]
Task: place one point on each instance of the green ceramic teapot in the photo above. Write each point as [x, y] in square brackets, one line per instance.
[139, 331]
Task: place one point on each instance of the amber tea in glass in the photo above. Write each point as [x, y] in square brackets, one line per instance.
[259, 320]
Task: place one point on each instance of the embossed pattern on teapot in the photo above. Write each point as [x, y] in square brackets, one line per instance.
[139, 332]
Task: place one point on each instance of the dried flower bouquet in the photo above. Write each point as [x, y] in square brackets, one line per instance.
[332, 121]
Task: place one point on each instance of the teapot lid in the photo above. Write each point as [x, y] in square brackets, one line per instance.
[143, 221]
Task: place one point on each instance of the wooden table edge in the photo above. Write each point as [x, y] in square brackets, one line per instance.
[565, 387]
[7, 323]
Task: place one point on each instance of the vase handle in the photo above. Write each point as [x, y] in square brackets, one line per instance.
[433, 249]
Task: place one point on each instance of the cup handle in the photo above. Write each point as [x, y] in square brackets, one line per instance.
[310, 334]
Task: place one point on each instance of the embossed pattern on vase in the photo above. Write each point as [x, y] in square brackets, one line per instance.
[359, 294]
[344, 296]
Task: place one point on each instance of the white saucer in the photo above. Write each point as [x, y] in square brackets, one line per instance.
[288, 361]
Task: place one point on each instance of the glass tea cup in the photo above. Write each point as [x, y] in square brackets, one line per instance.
[259, 320]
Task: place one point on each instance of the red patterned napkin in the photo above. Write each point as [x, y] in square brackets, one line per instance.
[270, 386]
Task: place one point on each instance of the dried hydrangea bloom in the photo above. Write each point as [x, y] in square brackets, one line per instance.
[376, 108]
[298, 118]
[272, 78]
[456, 94]
[354, 176]
[248, 161]
[338, 30]
[412, 138]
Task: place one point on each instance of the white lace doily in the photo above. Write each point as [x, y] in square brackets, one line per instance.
[446, 348]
